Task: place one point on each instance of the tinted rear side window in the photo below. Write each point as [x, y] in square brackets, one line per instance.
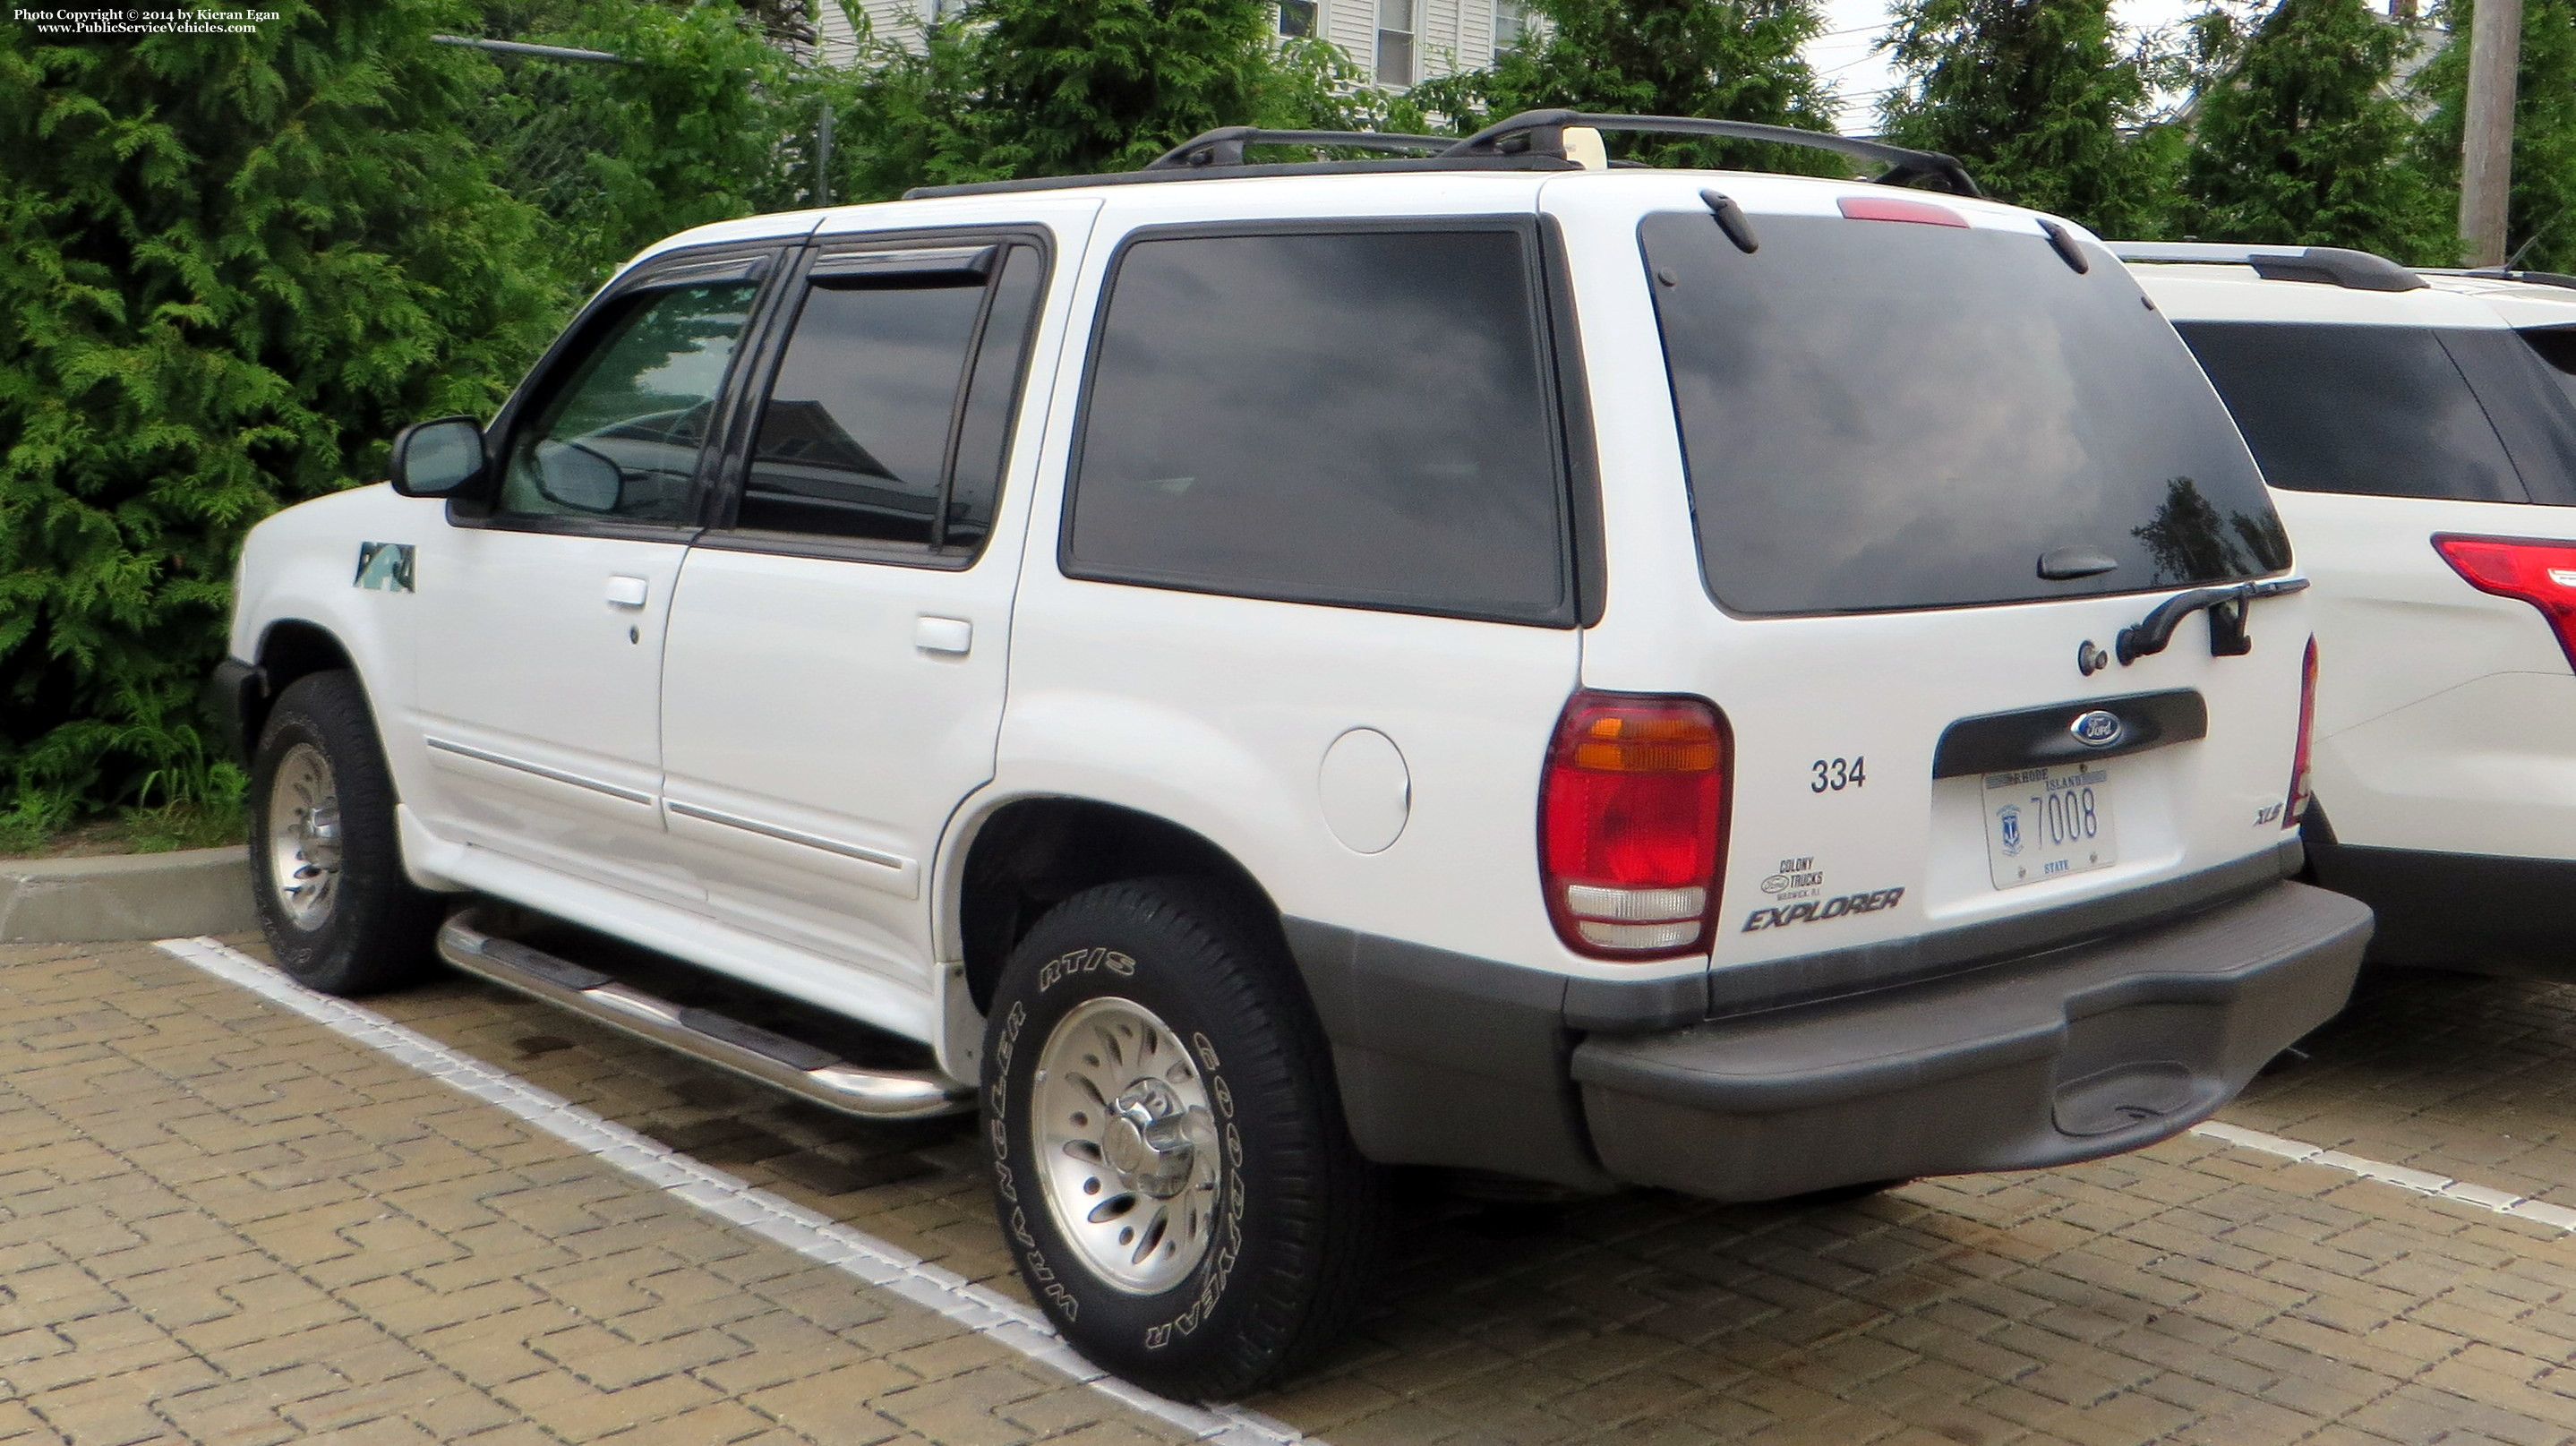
[866, 434]
[855, 436]
[1361, 418]
[2544, 447]
[1884, 415]
[2379, 410]
[2556, 347]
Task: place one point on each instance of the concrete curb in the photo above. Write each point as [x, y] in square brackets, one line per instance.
[126, 896]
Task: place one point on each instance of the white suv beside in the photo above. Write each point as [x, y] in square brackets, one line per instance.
[1252, 673]
[2419, 432]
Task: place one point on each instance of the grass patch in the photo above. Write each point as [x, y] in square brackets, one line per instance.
[162, 829]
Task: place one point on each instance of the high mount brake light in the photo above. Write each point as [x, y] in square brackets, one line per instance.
[2300, 791]
[1632, 824]
[2537, 570]
[1895, 208]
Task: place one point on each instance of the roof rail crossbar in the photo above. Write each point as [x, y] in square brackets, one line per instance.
[2328, 265]
[2501, 273]
[1543, 131]
[1224, 145]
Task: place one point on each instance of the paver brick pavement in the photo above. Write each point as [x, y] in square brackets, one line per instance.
[221, 1224]
[474, 1280]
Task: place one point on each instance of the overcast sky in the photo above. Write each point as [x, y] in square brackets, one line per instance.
[1854, 26]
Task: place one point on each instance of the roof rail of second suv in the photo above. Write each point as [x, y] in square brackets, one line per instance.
[2329, 265]
[2502, 273]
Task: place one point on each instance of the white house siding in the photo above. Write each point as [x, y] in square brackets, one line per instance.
[1449, 35]
[889, 19]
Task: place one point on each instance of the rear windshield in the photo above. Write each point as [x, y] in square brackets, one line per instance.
[1884, 415]
[2377, 410]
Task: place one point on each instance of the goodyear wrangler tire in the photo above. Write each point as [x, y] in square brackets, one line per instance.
[1170, 1165]
[326, 862]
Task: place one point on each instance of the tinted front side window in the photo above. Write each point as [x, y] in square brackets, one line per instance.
[620, 435]
[2381, 410]
[1890, 415]
[1361, 418]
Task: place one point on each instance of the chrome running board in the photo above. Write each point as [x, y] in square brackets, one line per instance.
[804, 1070]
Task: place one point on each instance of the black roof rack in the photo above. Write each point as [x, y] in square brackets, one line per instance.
[1542, 132]
[1531, 141]
[2328, 265]
[2499, 273]
[1224, 145]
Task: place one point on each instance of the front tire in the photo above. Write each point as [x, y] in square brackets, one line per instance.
[1169, 1158]
[326, 860]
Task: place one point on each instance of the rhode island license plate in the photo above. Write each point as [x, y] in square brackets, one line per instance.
[2046, 823]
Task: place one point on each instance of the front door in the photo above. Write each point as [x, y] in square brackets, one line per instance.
[834, 676]
[540, 676]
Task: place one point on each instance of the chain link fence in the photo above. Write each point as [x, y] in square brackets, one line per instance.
[553, 129]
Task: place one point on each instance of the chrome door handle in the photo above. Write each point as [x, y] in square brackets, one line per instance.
[942, 635]
[628, 592]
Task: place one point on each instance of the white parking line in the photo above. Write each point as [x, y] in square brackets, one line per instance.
[816, 1237]
[2422, 1182]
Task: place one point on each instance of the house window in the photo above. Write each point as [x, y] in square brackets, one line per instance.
[1395, 42]
[1511, 21]
[1297, 18]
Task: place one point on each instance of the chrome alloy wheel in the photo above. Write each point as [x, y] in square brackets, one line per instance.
[304, 836]
[1127, 1145]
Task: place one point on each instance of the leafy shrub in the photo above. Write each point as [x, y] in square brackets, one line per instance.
[232, 266]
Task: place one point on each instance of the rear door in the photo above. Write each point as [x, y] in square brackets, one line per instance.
[834, 678]
[1898, 480]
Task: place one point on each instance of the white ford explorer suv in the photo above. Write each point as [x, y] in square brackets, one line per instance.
[2419, 430]
[1249, 673]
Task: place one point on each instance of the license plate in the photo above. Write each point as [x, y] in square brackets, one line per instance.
[2047, 823]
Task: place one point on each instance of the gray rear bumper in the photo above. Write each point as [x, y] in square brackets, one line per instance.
[2073, 1054]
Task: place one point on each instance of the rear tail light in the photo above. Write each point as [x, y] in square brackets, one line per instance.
[2300, 792]
[2535, 570]
[1632, 824]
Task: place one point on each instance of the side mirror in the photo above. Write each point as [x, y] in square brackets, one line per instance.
[574, 476]
[438, 459]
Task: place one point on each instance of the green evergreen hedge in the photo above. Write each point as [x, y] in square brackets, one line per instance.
[232, 266]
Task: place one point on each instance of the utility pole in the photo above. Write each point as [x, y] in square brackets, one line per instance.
[2486, 159]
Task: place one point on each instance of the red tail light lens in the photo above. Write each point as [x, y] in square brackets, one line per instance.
[2535, 570]
[2300, 792]
[1632, 824]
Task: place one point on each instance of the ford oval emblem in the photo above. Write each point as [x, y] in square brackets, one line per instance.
[2098, 729]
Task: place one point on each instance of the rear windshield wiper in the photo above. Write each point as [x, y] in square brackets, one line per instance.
[2227, 607]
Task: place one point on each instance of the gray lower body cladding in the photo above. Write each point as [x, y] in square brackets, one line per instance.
[2083, 1052]
[2049, 1056]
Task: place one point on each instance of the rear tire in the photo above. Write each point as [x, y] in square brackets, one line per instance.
[1170, 1163]
[325, 856]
